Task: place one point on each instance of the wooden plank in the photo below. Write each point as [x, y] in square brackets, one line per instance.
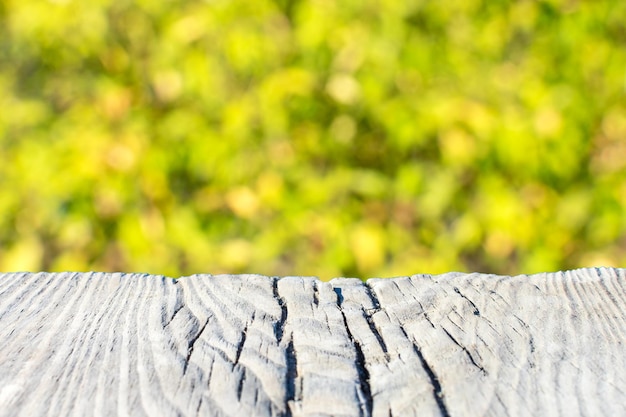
[99, 344]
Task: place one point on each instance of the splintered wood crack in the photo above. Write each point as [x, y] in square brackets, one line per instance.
[279, 327]
[316, 295]
[434, 380]
[240, 385]
[291, 360]
[240, 345]
[360, 363]
[370, 321]
[292, 374]
[467, 352]
[178, 308]
[476, 311]
[192, 343]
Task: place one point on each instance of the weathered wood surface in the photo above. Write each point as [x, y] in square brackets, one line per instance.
[447, 345]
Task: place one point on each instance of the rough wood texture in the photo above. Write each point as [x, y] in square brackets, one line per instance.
[248, 345]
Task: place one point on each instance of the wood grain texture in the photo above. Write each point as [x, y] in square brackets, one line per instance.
[83, 344]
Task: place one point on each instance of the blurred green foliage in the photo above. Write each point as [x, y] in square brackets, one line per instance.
[312, 137]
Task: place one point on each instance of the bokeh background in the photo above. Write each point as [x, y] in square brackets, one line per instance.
[312, 137]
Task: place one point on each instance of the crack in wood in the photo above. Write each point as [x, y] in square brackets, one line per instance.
[210, 374]
[370, 320]
[376, 333]
[192, 343]
[434, 380]
[178, 308]
[365, 399]
[429, 320]
[476, 311]
[279, 326]
[291, 361]
[339, 296]
[240, 345]
[371, 293]
[240, 385]
[292, 375]
[316, 294]
[198, 407]
[503, 404]
[531, 340]
[467, 352]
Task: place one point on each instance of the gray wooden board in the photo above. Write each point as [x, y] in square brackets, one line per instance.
[82, 344]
